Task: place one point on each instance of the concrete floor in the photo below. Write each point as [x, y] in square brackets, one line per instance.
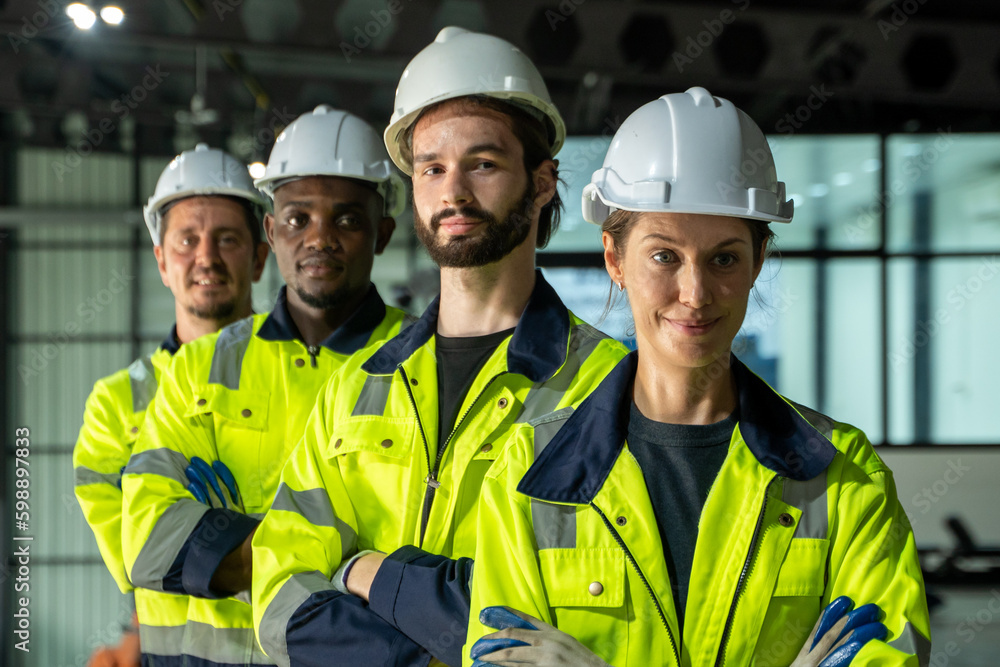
[965, 630]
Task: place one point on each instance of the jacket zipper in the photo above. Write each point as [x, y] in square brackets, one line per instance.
[645, 582]
[431, 480]
[747, 566]
[313, 350]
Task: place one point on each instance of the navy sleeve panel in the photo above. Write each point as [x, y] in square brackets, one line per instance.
[427, 597]
[334, 629]
[217, 533]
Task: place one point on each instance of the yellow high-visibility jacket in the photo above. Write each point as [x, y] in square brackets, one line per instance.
[111, 423]
[241, 397]
[361, 476]
[802, 512]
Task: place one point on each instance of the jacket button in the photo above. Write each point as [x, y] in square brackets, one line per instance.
[596, 588]
[502, 403]
[414, 382]
[485, 448]
[621, 521]
[339, 442]
[135, 429]
[202, 401]
[786, 519]
[386, 443]
[300, 362]
[246, 413]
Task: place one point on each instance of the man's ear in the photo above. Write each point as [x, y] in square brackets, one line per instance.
[546, 179]
[161, 264]
[269, 229]
[386, 226]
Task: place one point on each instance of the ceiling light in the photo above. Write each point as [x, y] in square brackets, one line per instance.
[82, 15]
[112, 15]
[843, 178]
[257, 170]
[819, 190]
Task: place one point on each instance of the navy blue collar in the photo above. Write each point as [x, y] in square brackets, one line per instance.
[170, 343]
[537, 348]
[348, 338]
[575, 464]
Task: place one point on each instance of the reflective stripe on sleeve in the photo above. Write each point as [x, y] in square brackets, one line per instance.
[84, 476]
[224, 646]
[230, 347]
[160, 640]
[314, 505]
[810, 497]
[143, 381]
[911, 641]
[162, 461]
[164, 543]
[274, 622]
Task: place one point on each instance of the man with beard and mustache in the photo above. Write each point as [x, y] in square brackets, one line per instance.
[394, 455]
[233, 405]
[204, 220]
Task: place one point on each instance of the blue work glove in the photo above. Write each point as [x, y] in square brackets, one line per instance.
[206, 487]
[840, 633]
[525, 640]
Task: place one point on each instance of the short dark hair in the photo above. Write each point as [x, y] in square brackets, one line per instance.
[534, 138]
[252, 213]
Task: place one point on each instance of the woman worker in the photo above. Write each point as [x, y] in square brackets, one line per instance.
[686, 513]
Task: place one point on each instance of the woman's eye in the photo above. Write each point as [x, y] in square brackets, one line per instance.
[726, 259]
[663, 257]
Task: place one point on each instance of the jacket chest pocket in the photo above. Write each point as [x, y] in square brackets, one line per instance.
[238, 420]
[795, 605]
[378, 464]
[586, 592]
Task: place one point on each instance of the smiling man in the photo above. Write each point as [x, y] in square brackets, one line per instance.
[204, 219]
[234, 405]
[394, 455]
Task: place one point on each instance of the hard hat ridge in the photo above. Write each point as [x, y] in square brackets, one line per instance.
[688, 153]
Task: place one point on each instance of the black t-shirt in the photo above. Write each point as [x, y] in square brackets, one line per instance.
[679, 463]
[459, 361]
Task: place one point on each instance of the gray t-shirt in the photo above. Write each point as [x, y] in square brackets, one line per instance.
[679, 463]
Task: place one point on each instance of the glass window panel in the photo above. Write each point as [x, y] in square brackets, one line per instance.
[943, 192]
[833, 181]
[585, 292]
[942, 350]
[69, 292]
[579, 158]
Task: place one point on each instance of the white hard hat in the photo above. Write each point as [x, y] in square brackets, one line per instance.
[459, 63]
[688, 153]
[202, 171]
[330, 142]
